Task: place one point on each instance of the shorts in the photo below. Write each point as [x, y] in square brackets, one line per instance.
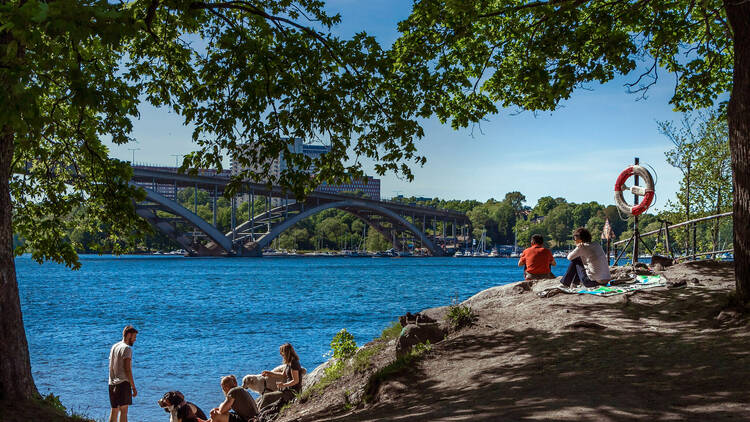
[120, 395]
[233, 417]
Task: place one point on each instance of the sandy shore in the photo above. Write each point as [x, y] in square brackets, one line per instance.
[655, 355]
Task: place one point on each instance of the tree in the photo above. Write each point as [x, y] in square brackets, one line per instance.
[559, 223]
[544, 205]
[702, 153]
[245, 77]
[472, 55]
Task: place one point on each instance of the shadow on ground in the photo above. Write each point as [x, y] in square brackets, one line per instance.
[667, 359]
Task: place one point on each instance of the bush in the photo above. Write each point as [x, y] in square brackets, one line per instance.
[343, 345]
[460, 316]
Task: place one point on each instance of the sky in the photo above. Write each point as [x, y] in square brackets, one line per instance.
[575, 152]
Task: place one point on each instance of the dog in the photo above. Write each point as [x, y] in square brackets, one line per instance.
[263, 385]
[180, 410]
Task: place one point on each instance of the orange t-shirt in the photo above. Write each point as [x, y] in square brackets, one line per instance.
[537, 259]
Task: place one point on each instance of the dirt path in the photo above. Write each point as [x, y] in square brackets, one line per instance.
[659, 355]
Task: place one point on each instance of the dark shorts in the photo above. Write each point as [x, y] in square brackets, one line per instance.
[233, 417]
[120, 395]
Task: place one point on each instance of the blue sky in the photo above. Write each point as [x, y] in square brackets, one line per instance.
[575, 152]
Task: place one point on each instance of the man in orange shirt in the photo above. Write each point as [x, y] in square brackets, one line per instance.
[537, 260]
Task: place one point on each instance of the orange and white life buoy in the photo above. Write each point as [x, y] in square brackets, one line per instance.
[646, 192]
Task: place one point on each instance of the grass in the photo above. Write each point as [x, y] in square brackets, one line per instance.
[391, 332]
[396, 367]
[460, 316]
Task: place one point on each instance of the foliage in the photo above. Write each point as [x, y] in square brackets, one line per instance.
[245, 78]
[343, 345]
[392, 331]
[460, 316]
[53, 402]
[472, 55]
[701, 152]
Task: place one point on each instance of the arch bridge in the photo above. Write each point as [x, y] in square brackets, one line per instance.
[401, 224]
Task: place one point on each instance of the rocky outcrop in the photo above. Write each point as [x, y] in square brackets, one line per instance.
[414, 334]
[313, 377]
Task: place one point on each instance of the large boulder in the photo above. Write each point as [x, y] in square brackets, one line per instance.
[413, 334]
[313, 377]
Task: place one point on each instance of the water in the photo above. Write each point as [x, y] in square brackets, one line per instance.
[202, 318]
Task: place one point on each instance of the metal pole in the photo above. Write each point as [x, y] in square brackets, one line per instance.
[443, 234]
[268, 212]
[453, 229]
[252, 215]
[234, 220]
[195, 199]
[636, 235]
[214, 205]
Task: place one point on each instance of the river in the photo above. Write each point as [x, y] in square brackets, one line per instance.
[202, 318]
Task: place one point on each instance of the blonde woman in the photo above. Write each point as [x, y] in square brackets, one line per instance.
[289, 381]
[238, 406]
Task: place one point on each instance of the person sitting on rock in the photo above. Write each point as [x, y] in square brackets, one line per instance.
[589, 264]
[537, 260]
[238, 405]
[289, 382]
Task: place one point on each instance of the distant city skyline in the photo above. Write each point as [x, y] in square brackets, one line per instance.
[575, 152]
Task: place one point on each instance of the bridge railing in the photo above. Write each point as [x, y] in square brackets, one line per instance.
[683, 238]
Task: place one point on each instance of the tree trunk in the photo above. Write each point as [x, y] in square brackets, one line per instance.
[738, 117]
[15, 369]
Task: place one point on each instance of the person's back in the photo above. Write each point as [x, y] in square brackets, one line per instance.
[243, 402]
[117, 355]
[594, 259]
[537, 259]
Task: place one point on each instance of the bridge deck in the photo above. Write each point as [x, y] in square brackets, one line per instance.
[146, 177]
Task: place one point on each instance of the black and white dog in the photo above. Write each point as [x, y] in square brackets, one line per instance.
[180, 410]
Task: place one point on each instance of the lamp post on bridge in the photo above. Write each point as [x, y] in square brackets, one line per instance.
[133, 150]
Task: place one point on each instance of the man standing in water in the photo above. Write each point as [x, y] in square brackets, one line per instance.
[121, 384]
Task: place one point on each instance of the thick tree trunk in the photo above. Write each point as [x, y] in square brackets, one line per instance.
[15, 369]
[738, 117]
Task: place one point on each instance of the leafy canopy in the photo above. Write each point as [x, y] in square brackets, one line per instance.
[469, 55]
[247, 76]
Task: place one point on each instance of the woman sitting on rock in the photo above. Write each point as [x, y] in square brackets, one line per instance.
[289, 382]
[589, 265]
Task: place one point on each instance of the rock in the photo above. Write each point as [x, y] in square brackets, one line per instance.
[578, 325]
[661, 260]
[657, 267]
[696, 282]
[522, 287]
[413, 334]
[313, 377]
[676, 284]
[418, 318]
[728, 315]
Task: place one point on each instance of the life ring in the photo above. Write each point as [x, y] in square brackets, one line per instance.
[646, 192]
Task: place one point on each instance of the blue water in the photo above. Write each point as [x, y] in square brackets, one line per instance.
[202, 318]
